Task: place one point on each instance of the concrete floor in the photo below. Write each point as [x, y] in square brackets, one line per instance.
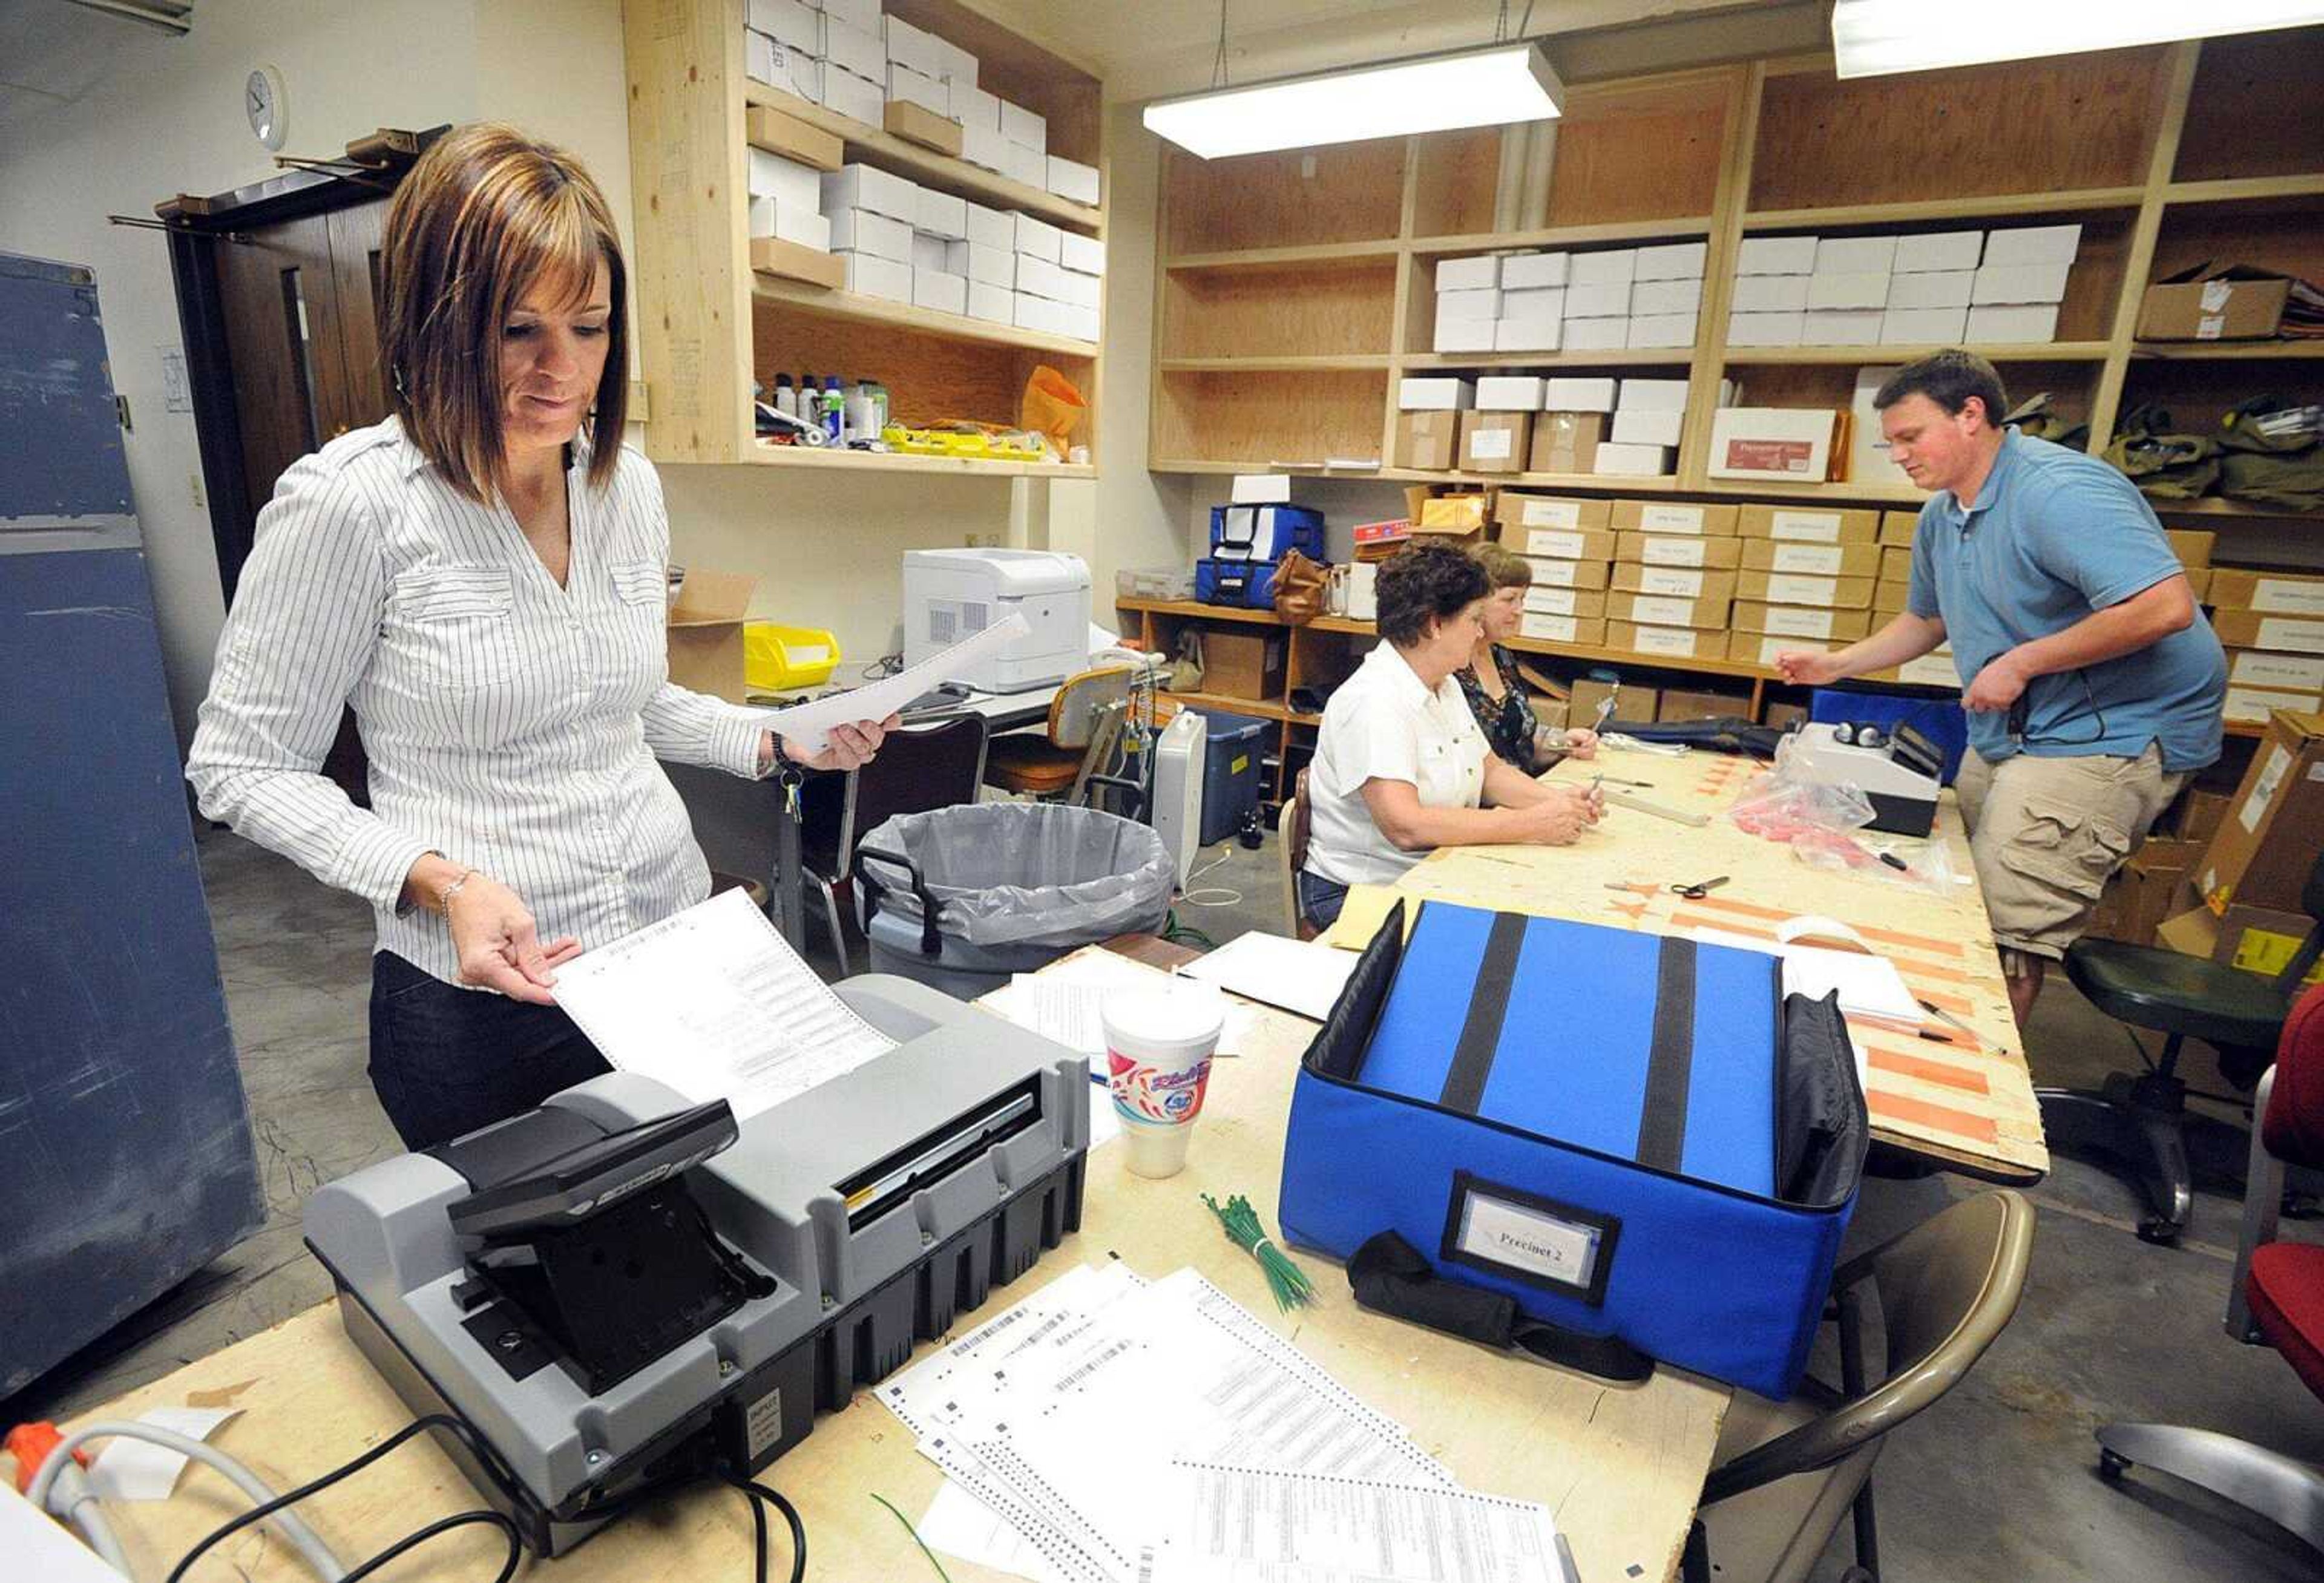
[1994, 1483]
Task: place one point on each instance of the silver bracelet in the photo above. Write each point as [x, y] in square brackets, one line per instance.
[454, 888]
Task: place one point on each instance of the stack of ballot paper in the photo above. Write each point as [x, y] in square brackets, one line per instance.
[1110, 1430]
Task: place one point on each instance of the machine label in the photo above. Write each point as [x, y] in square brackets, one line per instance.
[1541, 1241]
[762, 1422]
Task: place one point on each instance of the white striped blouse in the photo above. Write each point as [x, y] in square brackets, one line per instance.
[511, 724]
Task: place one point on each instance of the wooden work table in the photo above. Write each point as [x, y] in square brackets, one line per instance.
[1966, 1104]
[1619, 1466]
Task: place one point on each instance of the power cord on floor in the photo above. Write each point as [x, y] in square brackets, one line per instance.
[1210, 896]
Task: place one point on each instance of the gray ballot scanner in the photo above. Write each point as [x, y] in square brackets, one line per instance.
[620, 1291]
[1898, 770]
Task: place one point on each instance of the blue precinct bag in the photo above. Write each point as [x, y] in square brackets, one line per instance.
[1243, 584]
[1638, 1140]
[1265, 533]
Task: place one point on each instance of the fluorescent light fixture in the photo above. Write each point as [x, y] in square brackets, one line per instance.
[1479, 87]
[1873, 37]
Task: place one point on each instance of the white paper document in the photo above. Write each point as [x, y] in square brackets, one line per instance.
[128, 1469]
[1302, 976]
[713, 1003]
[809, 724]
[1869, 986]
[1236, 1525]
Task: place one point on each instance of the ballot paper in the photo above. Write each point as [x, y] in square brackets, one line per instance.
[1238, 1526]
[1063, 1415]
[808, 724]
[714, 1004]
[1300, 976]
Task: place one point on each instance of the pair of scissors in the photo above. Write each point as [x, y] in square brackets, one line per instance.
[1700, 889]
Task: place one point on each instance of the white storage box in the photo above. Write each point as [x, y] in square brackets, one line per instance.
[849, 95]
[855, 50]
[1260, 489]
[1463, 335]
[1043, 279]
[994, 266]
[1617, 266]
[1579, 393]
[862, 15]
[1538, 303]
[928, 252]
[787, 22]
[2015, 324]
[881, 235]
[1662, 329]
[1037, 239]
[771, 216]
[940, 289]
[1842, 327]
[1935, 289]
[1070, 179]
[973, 107]
[1596, 334]
[794, 185]
[1647, 426]
[869, 275]
[1636, 461]
[992, 227]
[1022, 161]
[1769, 293]
[1767, 329]
[1932, 250]
[1672, 261]
[793, 71]
[1854, 255]
[1467, 274]
[1773, 443]
[996, 303]
[1857, 289]
[2033, 245]
[1509, 392]
[1021, 126]
[1658, 297]
[942, 215]
[1776, 255]
[1917, 327]
[1431, 393]
[958, 64]
[2034, 282]
[907, 87]
[1530, 271]
[1484, 302]
[1600, 300]
[1084, 255]
[985, 146]
[1528, 335]
[863, 186]
[912, 47]
[1651, 395]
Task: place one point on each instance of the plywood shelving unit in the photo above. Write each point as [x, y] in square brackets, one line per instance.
[710, 323]
[1332, 254]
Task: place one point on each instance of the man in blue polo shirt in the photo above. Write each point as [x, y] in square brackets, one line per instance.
[2093, 683]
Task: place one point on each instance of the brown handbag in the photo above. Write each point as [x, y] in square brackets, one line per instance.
[1299, 587]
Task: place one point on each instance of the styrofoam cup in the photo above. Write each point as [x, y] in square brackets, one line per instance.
[1158, 1045]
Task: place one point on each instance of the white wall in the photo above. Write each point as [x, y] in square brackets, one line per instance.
[168, 119]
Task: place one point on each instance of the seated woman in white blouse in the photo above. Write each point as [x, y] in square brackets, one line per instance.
[483, 578]
[1400, 765]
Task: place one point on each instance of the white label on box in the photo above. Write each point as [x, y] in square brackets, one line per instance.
[1799, 623]
[2284, 597]
[2214, 295]
[1540, 513]
[1555, 573]
[1523, 1237]
[2262, 792]
[1676, 584]
[2210, 329]
[1802, 590]
[1771, 646]
[1552, 600]
[1675, 552]
[2255, 669]
[1807, 558]
[1929, 671]
[1662, 612]
[1559, 546]
[1814, 526]
[1492, 445]
[1557, 629]
[2254, 705]
[2299, 637]
[1675, 641]
[1670, 520]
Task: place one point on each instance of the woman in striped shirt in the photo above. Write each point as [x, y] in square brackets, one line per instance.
[482, 578]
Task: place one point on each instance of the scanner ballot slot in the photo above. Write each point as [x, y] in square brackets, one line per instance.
[873, 1191]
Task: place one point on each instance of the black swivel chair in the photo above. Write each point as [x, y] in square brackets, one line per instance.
[2140, 1122]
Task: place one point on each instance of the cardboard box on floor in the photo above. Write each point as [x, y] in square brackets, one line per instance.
[2257, 939]
[2147, 889]
[706, 632]
[2268, 843]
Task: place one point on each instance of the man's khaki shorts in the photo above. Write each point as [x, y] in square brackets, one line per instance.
[2047, 834]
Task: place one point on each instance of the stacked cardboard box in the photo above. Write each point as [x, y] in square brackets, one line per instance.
[1428, 420]
[1807, 573]
[1497, 434]
[2271, 624]
[784, 172]
[1577, 416]
[1770, 291]
[1051, 294]
[1468, 303]
[1571, 545]
[2016, 295]
[1674, 578]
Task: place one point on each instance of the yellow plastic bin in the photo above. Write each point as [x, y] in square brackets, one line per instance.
[777, 659]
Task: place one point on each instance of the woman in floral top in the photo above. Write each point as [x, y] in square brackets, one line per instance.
[1489, 681]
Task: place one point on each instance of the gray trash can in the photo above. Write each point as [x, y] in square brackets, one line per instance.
[1010, 886]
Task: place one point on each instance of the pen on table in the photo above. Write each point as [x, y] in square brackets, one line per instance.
[1571, 1573]
[1940, 1013]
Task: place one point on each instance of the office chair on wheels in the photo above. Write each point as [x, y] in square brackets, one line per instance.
[2140, 1122]
[2277, 1300]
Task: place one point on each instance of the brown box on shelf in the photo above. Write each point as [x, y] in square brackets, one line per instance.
[1427, 442]
[1791, 588]
[1761, 648]
[1782, 445]
[1800, 621]
[2267, 844]
[1561, 544]
[772, 255]
[1898, 526]
[1654, 550]
[1585, 631]
[1890, 598]
[1663, 610]
[1242, 665]
[1781, 715]
[706, 632]
[2253, 628]
[1549, 711]
[2199, 583]
[1494, 442]
[1461, 514]
[1570, 601]
[1565, 442]
[1812, 560]
[1678, 705]
[1809, 524]
[2213, 310]
[2291, 594]
[2254, 706]
[1633, 703]
[2192, 548]
[918, 124]
[1516, 509]
[769, 129]
[1375, 542]
[1666, 517]
[1672, 582]
[1895, 563]
[1557, 574]
[1665, 642]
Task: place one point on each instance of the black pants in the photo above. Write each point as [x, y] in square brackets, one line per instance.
[446, 1061]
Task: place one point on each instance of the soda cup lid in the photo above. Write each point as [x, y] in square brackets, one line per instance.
[1177, 1013]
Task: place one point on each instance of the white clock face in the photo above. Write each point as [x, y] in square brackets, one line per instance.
[262, 101]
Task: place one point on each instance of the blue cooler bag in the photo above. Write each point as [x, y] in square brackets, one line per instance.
[1265, 533]
[1636, 1140]
[1243, 584]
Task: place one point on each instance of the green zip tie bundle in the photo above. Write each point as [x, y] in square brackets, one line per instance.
[1289, 1284]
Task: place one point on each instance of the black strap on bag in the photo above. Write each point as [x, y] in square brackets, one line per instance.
[1388, 1277]
[931, 942]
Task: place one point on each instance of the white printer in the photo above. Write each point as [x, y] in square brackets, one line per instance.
[950, 594]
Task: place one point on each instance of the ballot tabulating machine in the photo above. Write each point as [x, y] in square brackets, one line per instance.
[619, 1291]
[1898, 769]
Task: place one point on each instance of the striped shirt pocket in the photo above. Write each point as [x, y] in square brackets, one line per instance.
[458, 622]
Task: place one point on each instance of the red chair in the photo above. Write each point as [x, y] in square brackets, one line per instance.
[2278, 1299]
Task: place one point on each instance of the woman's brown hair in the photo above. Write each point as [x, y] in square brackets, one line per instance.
[1505, 566]
[485, 215]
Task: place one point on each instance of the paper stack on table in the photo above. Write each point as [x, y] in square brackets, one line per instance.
[1117, 1431]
